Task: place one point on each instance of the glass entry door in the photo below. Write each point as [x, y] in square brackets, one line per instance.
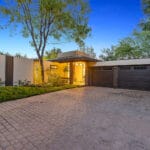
[79, 73]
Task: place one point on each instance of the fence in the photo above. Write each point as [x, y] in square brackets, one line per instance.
[2, 69]
[15, 70]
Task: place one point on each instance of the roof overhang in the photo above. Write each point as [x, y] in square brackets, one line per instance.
[73, 59]
[73, 56]
[123, 62]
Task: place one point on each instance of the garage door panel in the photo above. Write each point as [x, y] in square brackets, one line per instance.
[135, 79]
[134, 85]
[102, 78]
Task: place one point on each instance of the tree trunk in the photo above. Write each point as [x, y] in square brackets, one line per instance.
[42, 69]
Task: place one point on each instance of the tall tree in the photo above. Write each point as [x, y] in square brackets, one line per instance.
[42, 20]
[52, 53]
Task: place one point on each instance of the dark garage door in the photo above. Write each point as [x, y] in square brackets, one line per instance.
[134, 77]
[102, 76]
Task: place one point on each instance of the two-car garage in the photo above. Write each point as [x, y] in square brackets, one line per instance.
[131, 74]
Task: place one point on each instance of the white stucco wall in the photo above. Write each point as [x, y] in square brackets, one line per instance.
[2, 67]
[23, 70]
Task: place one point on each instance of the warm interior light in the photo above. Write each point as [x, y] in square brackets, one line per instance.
[79, 73]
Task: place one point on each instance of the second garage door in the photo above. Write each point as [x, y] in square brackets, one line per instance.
[134, 77]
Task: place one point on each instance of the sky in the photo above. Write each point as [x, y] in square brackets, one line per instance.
[110, 20]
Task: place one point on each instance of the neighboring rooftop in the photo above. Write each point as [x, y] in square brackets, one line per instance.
[124, 62]
[74, 56]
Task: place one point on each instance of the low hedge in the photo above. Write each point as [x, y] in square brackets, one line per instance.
[13, 93]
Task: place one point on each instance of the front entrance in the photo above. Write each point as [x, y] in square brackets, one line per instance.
[79, 73]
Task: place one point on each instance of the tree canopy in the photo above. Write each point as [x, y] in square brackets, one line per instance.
[135, 46]
[108, 54]
[43, 20]
[88, 50]
[52, 53]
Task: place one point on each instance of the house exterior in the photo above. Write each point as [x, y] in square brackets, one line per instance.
[71, 66]
[78, 68]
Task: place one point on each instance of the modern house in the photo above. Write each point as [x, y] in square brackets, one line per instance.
[76, 67]
[79, 68]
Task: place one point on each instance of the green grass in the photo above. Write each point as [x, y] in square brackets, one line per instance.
[13, 93]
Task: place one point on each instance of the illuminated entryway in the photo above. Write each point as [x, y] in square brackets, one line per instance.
[79, 73]
[77, 68]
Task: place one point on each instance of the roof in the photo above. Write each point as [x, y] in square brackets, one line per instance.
[124, 62]
[74, 56]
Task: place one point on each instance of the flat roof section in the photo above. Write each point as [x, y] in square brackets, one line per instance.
[124, 62]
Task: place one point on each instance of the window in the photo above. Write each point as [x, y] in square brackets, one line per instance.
[125, 67]
[53, 67]
[140, 67]
[107, 68]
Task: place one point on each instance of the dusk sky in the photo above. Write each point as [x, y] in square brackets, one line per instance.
[110, 20]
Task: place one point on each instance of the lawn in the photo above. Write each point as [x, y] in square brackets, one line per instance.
[12, 93]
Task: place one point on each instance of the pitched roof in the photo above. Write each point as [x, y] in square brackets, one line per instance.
[74, 56]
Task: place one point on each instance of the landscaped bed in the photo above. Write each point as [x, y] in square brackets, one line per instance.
[12, 93]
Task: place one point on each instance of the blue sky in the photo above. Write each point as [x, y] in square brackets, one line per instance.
[110, 20]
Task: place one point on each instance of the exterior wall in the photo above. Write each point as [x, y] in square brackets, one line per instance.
[23, 70]
[72, 72]
[51, 68]
[37, 71]
[2, 67]
[88, 72]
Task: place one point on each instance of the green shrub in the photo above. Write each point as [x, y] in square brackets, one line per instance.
[17, 92]
[55, 80]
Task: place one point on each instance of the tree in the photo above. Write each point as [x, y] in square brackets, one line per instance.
[52, 53]
[44, 19]
[88, 50]
[143, 35]
[1, 53]
[20, 55]
[128, 49]
[146, 7]
[108, 54]
[135, 46]
[143, 42]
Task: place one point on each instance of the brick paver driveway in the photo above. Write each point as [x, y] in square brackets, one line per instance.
[89, 118]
